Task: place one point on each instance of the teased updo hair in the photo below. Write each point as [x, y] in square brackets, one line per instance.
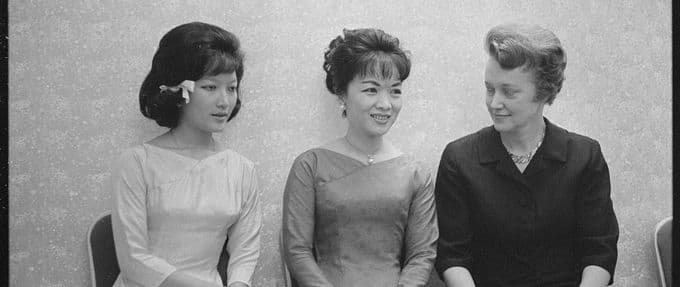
[363, 52]
[188, 52]
[534, 48]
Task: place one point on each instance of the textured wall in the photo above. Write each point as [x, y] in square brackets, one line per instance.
[76, 66]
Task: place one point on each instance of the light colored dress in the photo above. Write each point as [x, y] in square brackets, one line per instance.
[348, 224]
[172, 212]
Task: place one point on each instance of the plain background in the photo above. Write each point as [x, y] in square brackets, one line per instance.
[76, 67]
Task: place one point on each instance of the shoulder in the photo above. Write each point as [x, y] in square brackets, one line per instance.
[420, 171]
[582, 142]
[466, 146]
[236, 159]
[131, 155]
[311, 156]
[579, 144]
[131, 161]
[574, 148]
[411, 162]
[240, 169]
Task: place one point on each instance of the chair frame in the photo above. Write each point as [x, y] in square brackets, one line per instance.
[662, 277]
[224, 255]
[93, 278]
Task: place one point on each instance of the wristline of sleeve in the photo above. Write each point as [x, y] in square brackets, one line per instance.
[600, 261]
[441, 265]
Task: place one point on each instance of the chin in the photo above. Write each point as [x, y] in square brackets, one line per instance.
[215, 129]
[502, 127]
[380, 131]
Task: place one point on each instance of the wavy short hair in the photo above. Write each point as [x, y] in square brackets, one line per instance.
[188, 52]
[534, 48]
[363, 52]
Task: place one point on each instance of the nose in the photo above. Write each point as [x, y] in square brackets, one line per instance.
[223, 99]
[494, 101]
[383, 101]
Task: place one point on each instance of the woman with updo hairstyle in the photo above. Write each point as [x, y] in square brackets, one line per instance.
[181, 197]
[524, 202]
[356, 210]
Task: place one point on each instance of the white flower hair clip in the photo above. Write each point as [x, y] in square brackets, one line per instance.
[186, 86]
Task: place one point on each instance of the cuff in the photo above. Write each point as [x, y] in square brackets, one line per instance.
[443, 264]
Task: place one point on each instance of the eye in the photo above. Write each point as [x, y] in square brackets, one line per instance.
[370, 90]
[489, 91]
[209, 87]
[396, 92]
[232, 89]
[509, 93]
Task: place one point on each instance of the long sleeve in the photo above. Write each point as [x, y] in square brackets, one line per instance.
[453, 215]
[244, 236]
[129, 215]
[298, 225]
[421, 235]
[597, 230]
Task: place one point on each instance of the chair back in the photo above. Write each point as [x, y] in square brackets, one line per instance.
[223, 263]
[662, 248]
[101, 248]
[102, 252]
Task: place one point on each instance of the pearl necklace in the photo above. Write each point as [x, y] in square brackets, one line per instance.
[525, 158]
[370, 158]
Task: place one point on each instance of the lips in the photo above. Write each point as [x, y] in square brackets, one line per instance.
[220, 115]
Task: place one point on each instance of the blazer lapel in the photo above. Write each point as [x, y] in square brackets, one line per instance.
[492, 153]
[551, 155]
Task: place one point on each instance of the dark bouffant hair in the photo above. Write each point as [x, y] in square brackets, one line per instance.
[533, 47]
[363, 52]
[187, 52]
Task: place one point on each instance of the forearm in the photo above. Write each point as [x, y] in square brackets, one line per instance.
[420, 242]
[458, 277]
[597, 229]
[417, 271]
[454, 220]
[594, 276]
[304, 269]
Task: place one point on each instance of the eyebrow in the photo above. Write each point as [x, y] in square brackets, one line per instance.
[212, 79]
[513, 87]
[377, 84]
[504, 85]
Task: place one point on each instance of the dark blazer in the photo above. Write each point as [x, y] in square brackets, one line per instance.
[537, 228]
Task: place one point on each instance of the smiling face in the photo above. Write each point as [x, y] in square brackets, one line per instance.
[210, 104]
[511, 97]
[372, 104]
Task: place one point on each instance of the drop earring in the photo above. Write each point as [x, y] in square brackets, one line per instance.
[343, 109]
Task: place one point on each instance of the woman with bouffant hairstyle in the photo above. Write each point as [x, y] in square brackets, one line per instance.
[180, 197]
[357, 211]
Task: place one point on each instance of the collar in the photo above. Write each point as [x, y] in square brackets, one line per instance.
[554, 145]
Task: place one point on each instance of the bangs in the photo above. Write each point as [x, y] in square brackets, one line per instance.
[383, 66]
[220, 63]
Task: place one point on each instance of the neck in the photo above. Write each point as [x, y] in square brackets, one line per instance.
[188, 137]
[524, 138]
[369, 145]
